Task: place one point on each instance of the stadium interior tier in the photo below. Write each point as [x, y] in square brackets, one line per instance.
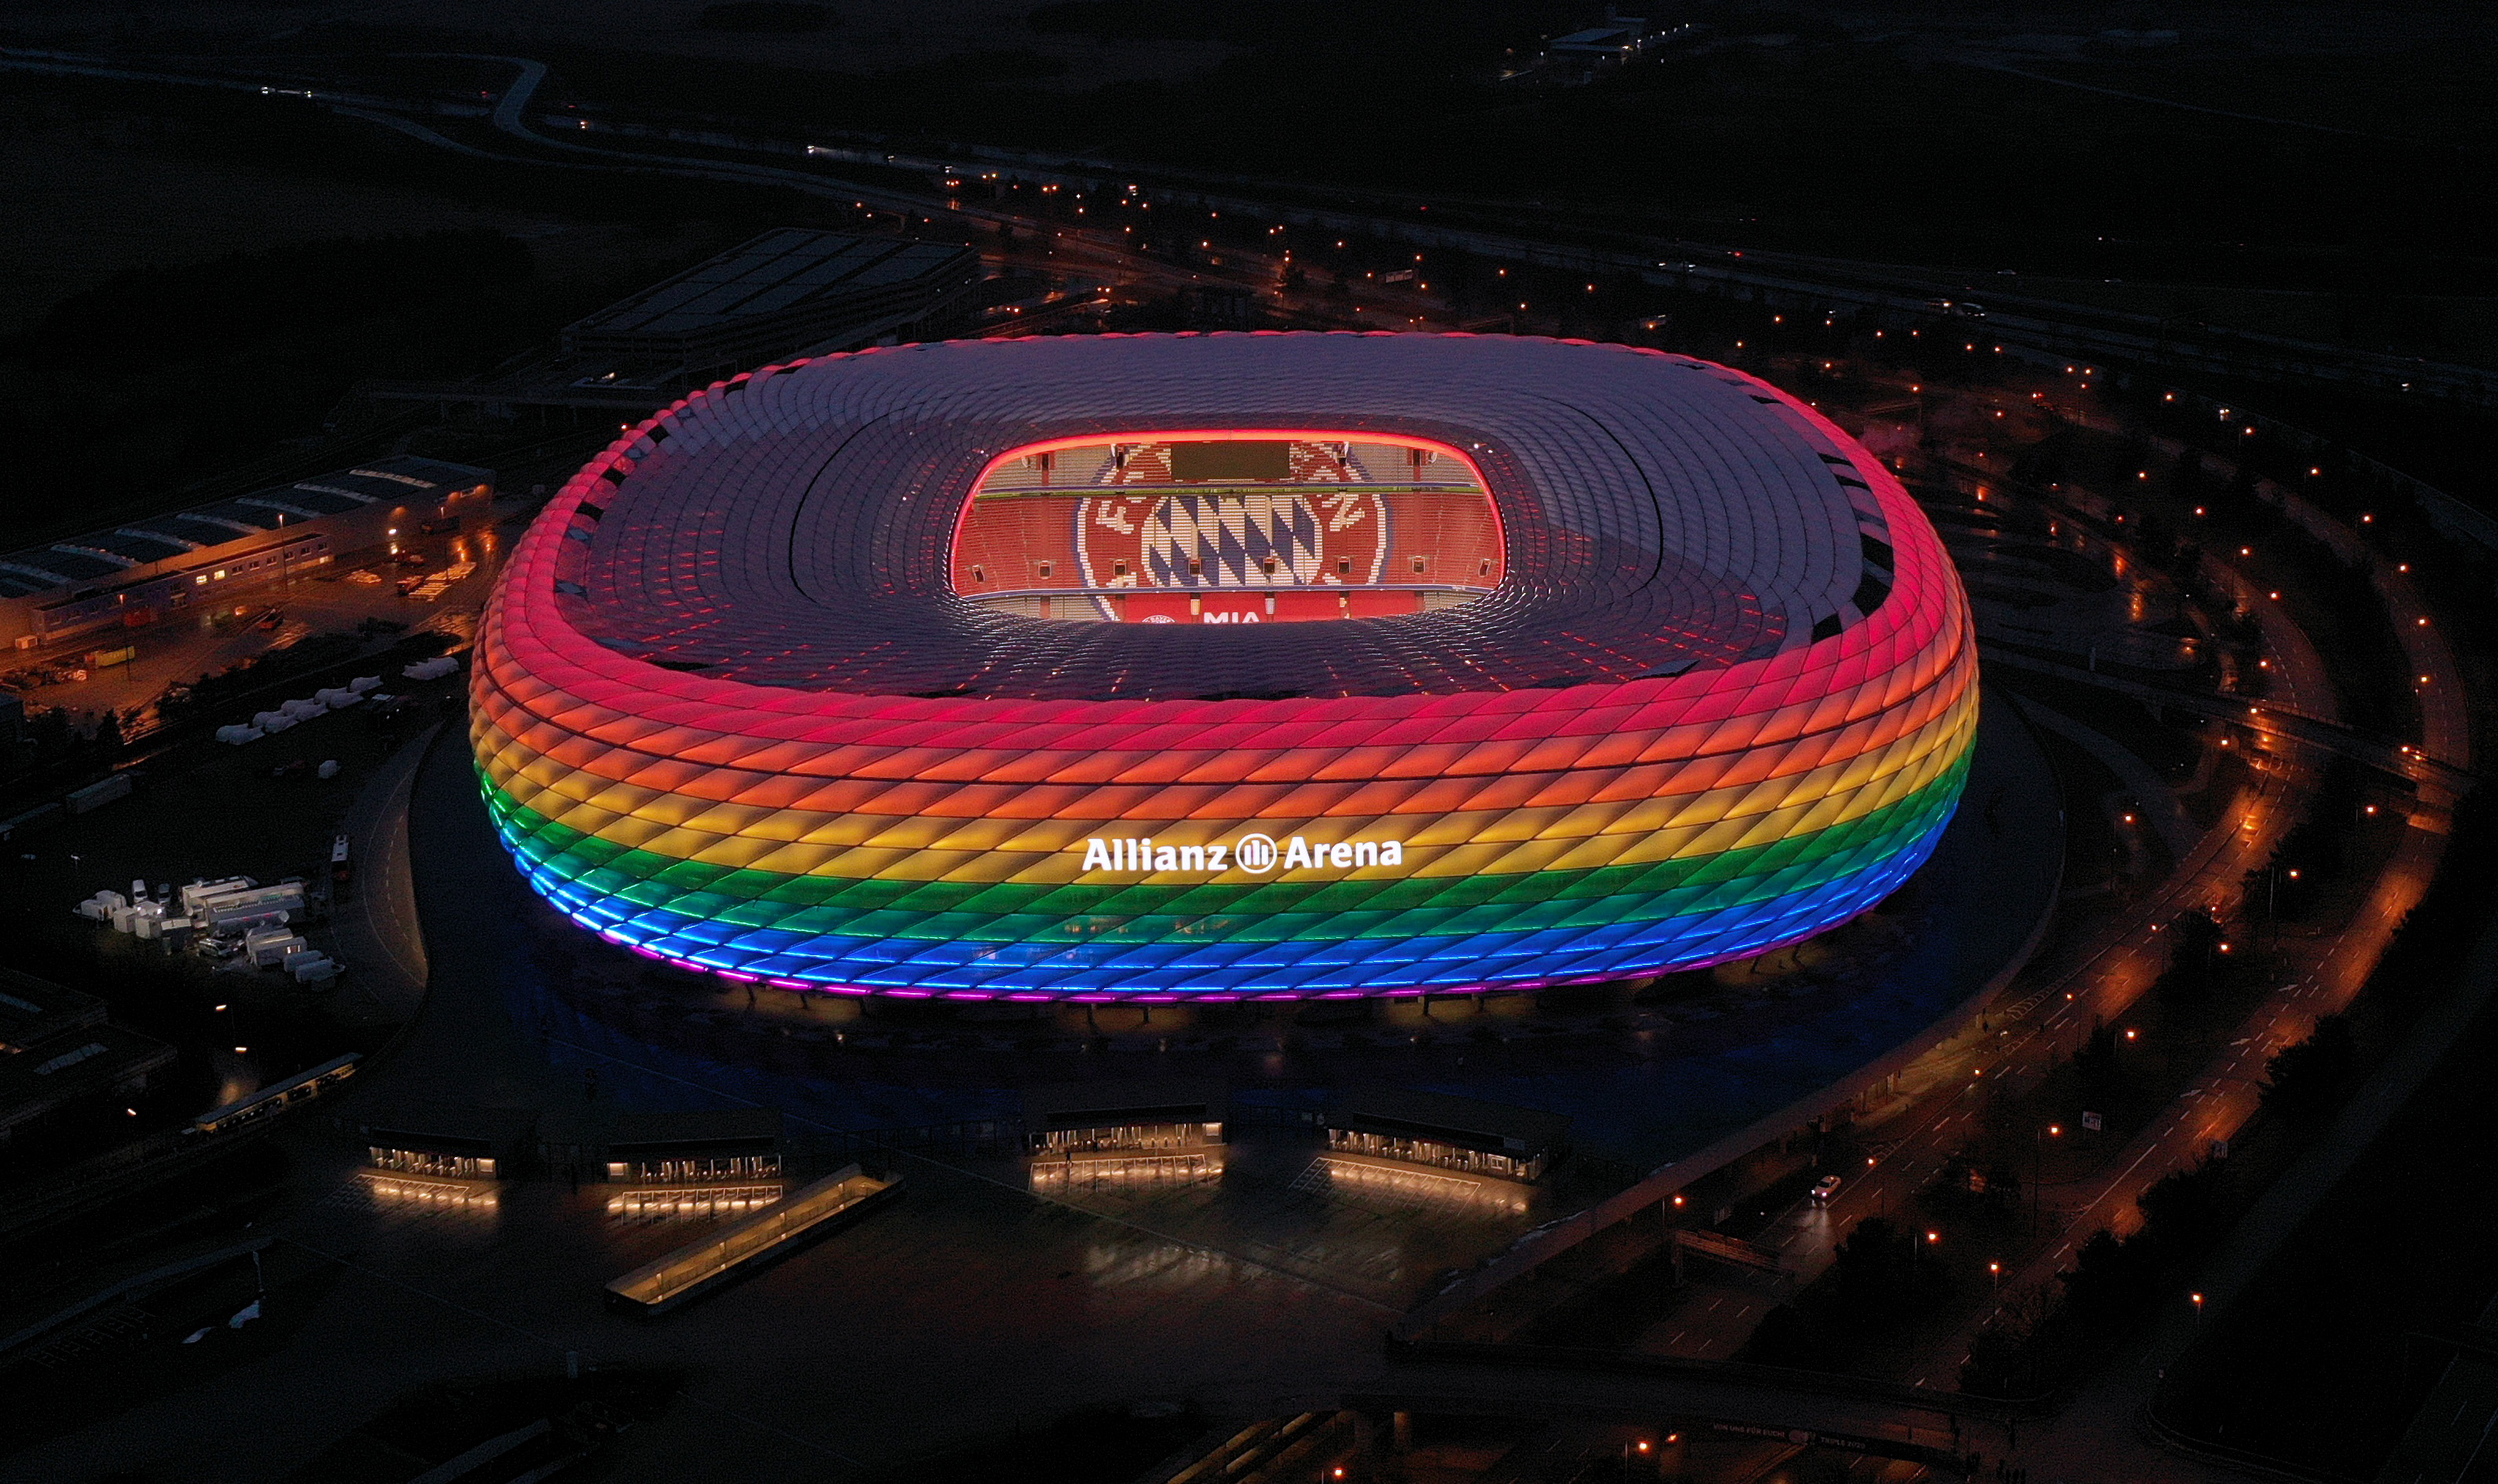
[1634, 664]
[1245, 529]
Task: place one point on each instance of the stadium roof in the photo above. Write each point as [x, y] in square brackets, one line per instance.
[728, 713]
[792, 528]
[791, 277]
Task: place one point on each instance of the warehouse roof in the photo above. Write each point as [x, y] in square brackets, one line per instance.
[96, 555]
[776, 272]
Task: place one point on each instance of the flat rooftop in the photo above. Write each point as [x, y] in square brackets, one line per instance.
[55, 1047]
[598, 1127]
[1141, 1100]
[33, 1009]
[1467, 1121]
[776, 273]
[99, 555]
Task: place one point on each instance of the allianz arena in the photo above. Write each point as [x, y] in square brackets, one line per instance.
[1225, 667]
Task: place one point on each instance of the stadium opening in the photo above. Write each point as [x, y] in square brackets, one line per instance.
[1248, 529]
[1225, 667]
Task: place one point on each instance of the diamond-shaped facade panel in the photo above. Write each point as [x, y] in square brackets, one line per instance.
[1596, 696]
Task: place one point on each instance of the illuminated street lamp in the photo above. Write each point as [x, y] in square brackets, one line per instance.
[2038, 1165]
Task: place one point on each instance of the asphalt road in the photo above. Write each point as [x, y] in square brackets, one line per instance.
[864, 1349]
[1949, 1087]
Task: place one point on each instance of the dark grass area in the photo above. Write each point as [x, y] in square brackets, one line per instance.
[214, 1199]
[130, 1353]
[445, 1419]
[163, 373]
[1934, 162]
[182, 369]
[206, 810]
[2172, 744]
[2093, 846]
[2315, 1363]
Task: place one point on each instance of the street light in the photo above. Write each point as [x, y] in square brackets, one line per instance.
[2038, 1166]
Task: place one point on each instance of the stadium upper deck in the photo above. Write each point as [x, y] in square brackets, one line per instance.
[1657, 513]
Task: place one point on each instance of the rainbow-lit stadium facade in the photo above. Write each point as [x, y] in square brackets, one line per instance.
[1698, 682]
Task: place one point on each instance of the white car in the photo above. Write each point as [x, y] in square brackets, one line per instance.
[1824, 1189]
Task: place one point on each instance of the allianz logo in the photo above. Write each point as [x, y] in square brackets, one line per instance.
[1257, 854]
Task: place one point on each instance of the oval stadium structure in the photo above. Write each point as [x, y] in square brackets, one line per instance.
[1229, 666]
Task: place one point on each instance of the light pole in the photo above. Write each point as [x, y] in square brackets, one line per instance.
[2038, 1166]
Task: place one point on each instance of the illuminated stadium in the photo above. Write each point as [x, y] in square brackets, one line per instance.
[1225, 667]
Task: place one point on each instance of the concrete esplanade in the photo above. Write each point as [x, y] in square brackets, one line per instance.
[731, 709]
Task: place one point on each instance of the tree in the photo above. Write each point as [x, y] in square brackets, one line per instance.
[1789, 1335]
[1878, 1274]
[2107, 1284]
[2198, 957]
[2303, 1081]
[2002, 1362]
[2181, 1214]
[2095, 1059]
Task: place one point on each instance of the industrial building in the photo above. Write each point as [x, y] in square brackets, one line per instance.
[779, 294]
[710, 1145]
[60, 1055]
[152, 568]
[1701, 683]
[1165, 1128]
[1156, 1114]
[1450, 1133]
[790, 292]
